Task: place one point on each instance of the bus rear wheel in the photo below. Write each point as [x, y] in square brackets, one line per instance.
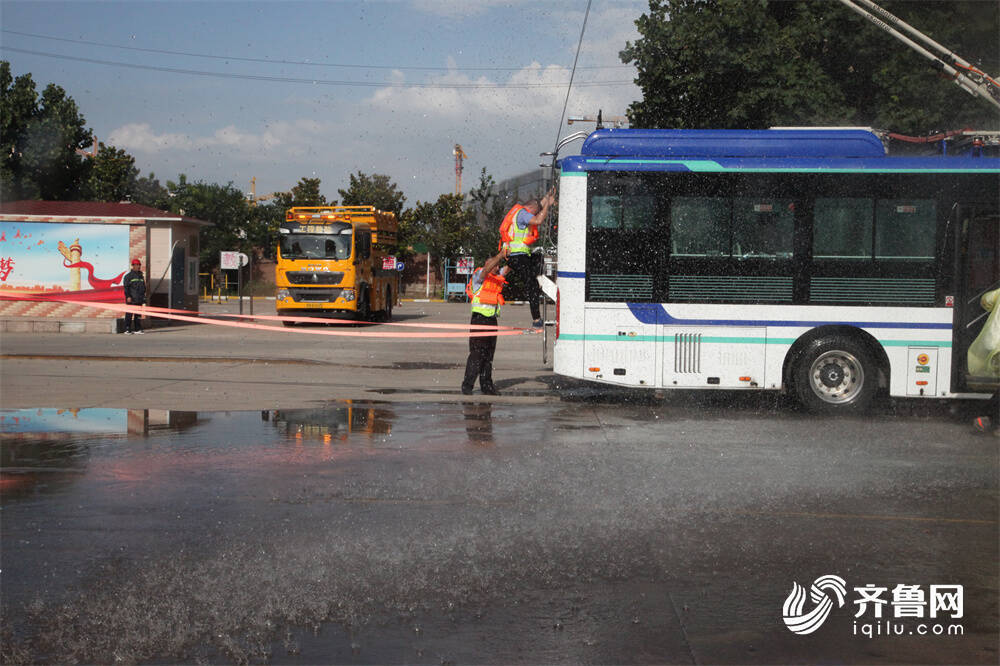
[835, 374]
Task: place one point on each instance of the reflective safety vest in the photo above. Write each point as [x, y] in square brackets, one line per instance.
[488, 298]
[517, 239]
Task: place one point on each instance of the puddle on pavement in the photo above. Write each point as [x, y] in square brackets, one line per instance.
[375, 532]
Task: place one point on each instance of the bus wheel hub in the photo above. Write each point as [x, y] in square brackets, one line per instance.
[832, 375]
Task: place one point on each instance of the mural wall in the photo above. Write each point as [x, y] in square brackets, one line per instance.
[79, 262]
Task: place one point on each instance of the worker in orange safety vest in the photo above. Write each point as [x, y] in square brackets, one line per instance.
[518, 231]
[485, 293]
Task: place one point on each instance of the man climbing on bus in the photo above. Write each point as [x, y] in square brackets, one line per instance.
[484, 291]
[518, 231]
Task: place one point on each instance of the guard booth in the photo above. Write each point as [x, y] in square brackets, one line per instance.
[456, 275]
[58, 252]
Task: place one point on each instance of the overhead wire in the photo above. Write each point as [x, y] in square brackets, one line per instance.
[572, 73]
[270, 61]
[569, 88]
[311, 81]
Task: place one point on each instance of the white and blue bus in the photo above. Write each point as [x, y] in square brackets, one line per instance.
[806, 260]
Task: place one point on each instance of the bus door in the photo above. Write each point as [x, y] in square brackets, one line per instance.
[977, 266]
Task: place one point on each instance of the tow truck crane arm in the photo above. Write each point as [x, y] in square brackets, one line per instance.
[972, 79]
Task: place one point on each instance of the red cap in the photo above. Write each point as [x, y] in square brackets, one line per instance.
[136, 262]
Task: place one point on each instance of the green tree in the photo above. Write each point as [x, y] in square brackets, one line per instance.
[225, 206]
[147, 191]
[375, 190]
[445, 227]
[39, 136]
[265, 220]
[760, 63]
[489, 206]
[305, 193]
[112, 175]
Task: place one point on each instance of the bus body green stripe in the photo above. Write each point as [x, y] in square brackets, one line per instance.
[737, 340]
[711, 166]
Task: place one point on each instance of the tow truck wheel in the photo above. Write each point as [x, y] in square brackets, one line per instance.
[835, 374]
[289, 324]
[365, 304]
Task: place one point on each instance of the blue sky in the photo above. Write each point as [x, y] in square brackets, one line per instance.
[422, 75]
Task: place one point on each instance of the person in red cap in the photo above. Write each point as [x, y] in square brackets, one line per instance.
[135, 294]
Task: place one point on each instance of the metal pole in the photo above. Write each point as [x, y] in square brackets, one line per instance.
[250, 263]
[239, 287]
[427, 290]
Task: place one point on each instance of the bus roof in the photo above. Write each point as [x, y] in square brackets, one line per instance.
[734, 143]
[807, 150]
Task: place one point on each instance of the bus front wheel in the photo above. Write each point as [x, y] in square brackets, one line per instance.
[835, 374]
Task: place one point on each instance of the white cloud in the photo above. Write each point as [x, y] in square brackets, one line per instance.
[288, 137]
[457, 9]
[407, 131]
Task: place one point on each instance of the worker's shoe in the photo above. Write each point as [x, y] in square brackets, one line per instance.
[466, 391]
[538, 323]
[140, 332]
[490, 390]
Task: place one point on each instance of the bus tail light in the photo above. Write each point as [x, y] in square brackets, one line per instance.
[557, 313]
[594, 369]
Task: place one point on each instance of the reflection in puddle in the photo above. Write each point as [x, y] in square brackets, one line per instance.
[478, 422]
[43, 447]
[330, 424]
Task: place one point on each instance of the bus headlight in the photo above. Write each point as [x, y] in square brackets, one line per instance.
[347, 295]
[282, 294]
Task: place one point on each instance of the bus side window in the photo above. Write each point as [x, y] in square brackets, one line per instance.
[699, 226]
[606, 212]
[763, 227]
[842, 228]
[905, 229]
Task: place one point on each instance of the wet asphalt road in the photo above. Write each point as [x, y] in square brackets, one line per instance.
[393, 520]
[599, 530]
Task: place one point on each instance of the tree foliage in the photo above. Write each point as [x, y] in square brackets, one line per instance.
[39, 136]
[112, 175]
[226, 207]
[489, 205]
[376, 190]
[760, 63]
[445, 226]
[305, 193]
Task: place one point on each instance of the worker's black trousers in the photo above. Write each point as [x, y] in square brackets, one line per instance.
[480, 362]
[524, 269]
[132, 322]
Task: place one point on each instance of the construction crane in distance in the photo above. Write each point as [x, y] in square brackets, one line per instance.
[459, 156]
[253, 193]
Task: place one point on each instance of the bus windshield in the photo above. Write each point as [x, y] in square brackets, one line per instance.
[306, 246]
